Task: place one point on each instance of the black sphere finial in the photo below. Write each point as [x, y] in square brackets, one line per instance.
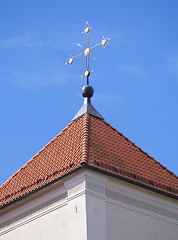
[87, 91]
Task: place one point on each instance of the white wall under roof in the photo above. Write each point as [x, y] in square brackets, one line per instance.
[88, 206]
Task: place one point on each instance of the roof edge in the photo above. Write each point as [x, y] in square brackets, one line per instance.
[85, 165]
[132, 182]
[140, 149]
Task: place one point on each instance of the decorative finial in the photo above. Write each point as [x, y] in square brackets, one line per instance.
[87, 51]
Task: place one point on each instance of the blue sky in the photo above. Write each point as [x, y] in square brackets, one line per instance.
[135, 77]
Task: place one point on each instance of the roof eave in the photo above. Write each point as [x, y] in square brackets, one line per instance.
[84, 165]
[133, 182]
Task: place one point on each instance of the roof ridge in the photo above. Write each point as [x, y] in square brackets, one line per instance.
[85, 141]
[154, 160]
[29, 161]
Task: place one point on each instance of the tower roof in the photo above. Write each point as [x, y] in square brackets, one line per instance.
[91, 142]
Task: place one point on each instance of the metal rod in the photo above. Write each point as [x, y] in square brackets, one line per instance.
[93, 57]
[95, 47]
[78, 56]
[80, 64]
[93, 40]
[80, 46]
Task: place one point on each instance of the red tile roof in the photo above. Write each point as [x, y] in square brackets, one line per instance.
[92, 141]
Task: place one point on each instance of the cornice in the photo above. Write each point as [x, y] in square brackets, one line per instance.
[89, 183]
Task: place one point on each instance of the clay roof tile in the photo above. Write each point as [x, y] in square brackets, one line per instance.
[91, 141]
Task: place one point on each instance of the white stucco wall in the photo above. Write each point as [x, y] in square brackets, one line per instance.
[88, 206]
[124, 223]
[48, 226]
[40, 216]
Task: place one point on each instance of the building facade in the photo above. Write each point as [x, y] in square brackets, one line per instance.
[90, 182]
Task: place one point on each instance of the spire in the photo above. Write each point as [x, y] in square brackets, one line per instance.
[87, 90]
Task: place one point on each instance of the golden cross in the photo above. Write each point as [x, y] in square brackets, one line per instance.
[87, 51]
